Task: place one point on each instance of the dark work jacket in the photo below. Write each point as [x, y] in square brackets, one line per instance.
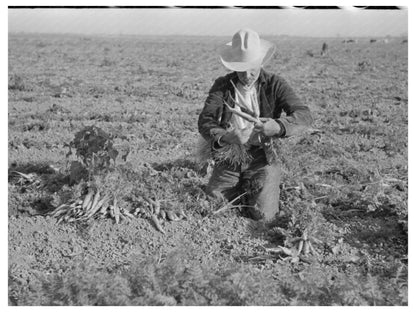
[274, 97]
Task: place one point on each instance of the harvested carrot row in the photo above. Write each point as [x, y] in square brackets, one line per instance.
[300, 252]
[96, 206]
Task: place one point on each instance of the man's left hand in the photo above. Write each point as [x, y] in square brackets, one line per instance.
[268, 126]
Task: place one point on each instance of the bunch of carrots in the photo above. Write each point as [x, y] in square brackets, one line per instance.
[92, 206]
[95, 206]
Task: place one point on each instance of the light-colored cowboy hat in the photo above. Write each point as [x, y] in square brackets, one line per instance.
[246, 51]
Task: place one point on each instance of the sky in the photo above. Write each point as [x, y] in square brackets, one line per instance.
[212, 22]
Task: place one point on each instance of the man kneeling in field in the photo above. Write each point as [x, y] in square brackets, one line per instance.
[242, 122]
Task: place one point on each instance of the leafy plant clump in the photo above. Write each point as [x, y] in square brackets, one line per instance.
[95, 149]
[233, 154]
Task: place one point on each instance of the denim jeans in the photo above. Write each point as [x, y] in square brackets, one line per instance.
[260, 181]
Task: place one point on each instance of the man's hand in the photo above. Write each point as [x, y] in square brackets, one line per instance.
[237, 136]
[268, 126]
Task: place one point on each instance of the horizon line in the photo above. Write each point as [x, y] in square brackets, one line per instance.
[196, 35]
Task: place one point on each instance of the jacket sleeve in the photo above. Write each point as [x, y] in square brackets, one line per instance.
[298, 116]
[210, 117]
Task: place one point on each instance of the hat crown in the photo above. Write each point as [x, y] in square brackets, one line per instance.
[246, 45]
[246, 51]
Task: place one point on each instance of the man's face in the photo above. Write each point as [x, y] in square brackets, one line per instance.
[248, 77]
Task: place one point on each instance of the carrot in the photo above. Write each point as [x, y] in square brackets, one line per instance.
[157, 224]
[60, 210]
[87, 209]
[170, 216]
[286, 251]
[281, 249]
[116, 211]
[300, 247]
[122, 217]
[87, 199]
[312, 249]
[242, 114]
[126, 213]
[178, 216]
[104, 207]
[111, 211]
[306, 248]
[63, 206]
[182, 214]
[150, 206]
[156, 207]
[94, 202]
[153, 205]
[73, 204]
[102, 202]
[305, 235]
[79, 213]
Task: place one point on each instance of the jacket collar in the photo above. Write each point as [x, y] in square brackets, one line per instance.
[262, 77]
[265, 107]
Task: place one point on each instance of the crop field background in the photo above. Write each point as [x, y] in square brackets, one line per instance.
[346, 183]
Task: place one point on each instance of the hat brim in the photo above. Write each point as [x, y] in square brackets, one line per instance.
[231, 62]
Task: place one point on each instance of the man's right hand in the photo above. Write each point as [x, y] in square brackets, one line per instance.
[236, 136]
